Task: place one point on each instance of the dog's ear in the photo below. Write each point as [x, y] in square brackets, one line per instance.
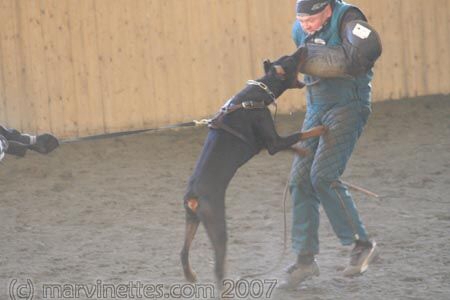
[267, 64]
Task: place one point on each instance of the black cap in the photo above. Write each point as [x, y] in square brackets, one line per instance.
[310, 7]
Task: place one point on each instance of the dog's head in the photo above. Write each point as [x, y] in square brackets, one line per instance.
[286, 69]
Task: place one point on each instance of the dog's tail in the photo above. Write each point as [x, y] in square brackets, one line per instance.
[192, 223]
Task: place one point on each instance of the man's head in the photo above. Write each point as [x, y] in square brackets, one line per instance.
[312, 14]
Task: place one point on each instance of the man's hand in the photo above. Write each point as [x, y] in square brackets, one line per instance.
[314, 132]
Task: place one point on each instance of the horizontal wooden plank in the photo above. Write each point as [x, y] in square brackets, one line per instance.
[78, 68]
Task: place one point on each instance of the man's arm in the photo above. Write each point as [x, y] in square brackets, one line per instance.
[361, 47]
[352, 14]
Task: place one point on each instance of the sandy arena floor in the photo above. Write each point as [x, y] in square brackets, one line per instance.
[109, 211]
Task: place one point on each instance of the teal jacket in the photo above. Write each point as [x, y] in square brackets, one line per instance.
[333, 89]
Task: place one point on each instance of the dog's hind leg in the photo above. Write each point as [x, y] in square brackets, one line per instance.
[213, 218]
[192, 223]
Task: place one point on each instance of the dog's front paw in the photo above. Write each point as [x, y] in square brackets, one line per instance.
[314, 132]
[303, 152]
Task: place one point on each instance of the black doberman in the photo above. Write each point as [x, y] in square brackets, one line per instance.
[242, 128]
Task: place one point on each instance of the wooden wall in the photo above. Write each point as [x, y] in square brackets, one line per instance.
[85, 67]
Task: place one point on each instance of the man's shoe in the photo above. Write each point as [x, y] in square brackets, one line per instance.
[297, 273]
[361, 256]
[45, 143]
[3, 146]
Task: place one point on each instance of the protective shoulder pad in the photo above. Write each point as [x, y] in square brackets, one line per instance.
[361, 35]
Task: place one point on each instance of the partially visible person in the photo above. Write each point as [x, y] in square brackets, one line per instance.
[16, 143]
[339, 51]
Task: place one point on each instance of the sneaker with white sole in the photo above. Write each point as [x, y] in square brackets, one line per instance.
[297, 273]
[3, 146]
[361, 256]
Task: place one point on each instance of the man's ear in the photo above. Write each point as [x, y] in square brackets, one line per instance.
[267, 64]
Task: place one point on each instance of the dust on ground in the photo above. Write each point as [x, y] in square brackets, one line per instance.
[110, 211]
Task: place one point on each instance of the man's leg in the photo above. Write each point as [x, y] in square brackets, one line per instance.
[305, 211]
[345, 125]
[305, 204]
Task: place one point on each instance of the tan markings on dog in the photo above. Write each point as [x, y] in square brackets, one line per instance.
[192, 204]
[279, 70]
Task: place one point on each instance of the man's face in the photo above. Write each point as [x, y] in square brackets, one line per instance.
[311, 24]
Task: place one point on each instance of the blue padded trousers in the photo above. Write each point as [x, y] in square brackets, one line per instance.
[315, 178]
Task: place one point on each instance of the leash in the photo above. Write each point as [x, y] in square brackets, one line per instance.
[226, 108]
[193, 123]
